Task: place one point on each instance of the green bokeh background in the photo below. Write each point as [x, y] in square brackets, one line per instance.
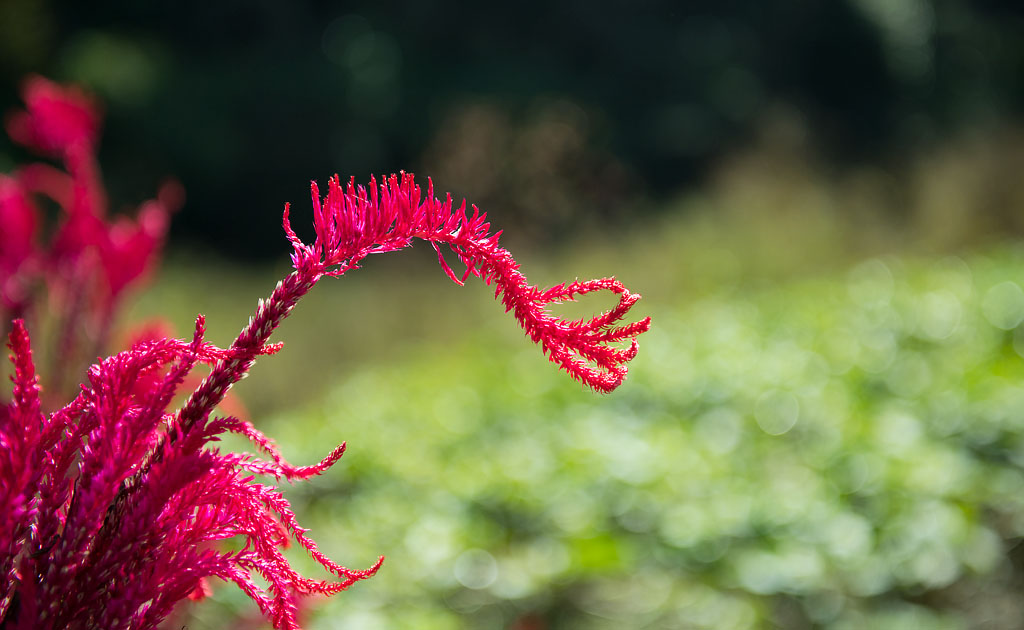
[837, 448]
[820, 202]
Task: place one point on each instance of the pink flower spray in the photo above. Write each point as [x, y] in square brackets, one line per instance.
[110, 507]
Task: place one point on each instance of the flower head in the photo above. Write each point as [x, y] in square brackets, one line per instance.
[111, 506]
[355, 221]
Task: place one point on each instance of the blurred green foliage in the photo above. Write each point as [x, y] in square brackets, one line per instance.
[796, 447]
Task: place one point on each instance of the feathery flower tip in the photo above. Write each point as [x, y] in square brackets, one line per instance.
[353, 222]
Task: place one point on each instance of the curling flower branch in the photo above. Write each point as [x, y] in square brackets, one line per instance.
[110, 507]
[355, 221]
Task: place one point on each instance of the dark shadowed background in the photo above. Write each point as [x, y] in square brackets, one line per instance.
[553, 112]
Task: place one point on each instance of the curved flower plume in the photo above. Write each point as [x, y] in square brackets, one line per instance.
[110, 507]
[354, 222]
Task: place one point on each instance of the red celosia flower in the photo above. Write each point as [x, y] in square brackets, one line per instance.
[109, 506]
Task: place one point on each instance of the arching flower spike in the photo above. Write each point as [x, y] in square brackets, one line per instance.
[355, 221]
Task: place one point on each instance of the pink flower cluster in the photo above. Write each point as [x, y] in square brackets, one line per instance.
[112, 505]
[91, 260]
